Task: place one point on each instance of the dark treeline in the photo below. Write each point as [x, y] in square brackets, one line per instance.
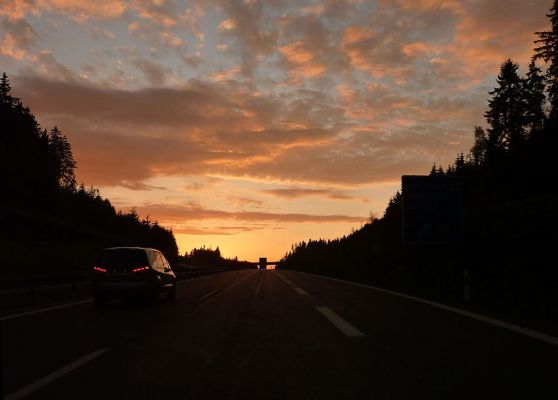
[510, 194]
[207, 257]
[50, 225]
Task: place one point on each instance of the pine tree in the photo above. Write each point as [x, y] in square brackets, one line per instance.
[548, 51]
[479, 150]
[5, 89]
[535, 90]
[64, 161]
[507, 110]
[434, 170]
[459, 163]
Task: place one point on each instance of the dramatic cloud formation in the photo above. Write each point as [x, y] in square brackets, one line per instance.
[197, 213]
[290, 113]
[18, 39]
[294, 193]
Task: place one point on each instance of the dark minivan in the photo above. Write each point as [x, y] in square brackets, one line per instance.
[132, 272]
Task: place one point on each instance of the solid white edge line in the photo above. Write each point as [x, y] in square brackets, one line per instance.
[340, 323]
[501, 324]
[205, 296]
[301, 291]
[42, 288]
[54, 375]
[40, 310]
[39, 288]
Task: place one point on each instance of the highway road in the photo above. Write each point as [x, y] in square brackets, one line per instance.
[271, 335]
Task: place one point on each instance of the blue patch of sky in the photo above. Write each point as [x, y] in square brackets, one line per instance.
[214, 60]
[64, 38]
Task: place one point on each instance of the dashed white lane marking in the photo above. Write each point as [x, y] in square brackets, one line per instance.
[54, 375]
[258, 288]
[301, 291]
[221, 293]
[205, 296]
[40, 310]
[339, 322]
[288, 282]
[543, 337]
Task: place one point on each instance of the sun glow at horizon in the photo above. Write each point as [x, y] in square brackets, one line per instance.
[252, 126]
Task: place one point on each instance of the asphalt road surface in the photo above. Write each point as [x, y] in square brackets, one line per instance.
[270, 335]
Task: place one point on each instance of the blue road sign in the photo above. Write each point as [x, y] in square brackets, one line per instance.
[432, 210]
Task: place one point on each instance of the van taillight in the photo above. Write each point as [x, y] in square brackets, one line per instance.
[140, 269]
[99, 269]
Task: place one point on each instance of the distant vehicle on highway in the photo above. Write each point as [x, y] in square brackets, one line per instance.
[132, 272]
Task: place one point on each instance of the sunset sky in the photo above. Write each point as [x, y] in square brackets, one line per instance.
[251, 125]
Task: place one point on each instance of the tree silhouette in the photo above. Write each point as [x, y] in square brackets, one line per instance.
[53, 225]
[507, 113]
[535, 87]
[509, 209]
[480, 147]
[63, 158]
[5, 89]
[548, 51]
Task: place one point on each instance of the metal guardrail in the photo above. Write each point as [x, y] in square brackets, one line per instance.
[32, 286]
[51, 283]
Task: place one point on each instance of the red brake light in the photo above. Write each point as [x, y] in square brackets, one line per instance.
[140, 269]
[99, 269]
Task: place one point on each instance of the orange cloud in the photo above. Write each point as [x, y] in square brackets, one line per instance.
[201, 127]
[16, 9]
[302, 60]
[220, 230]
[355, 42]
[253, 32]
[420, 49]
[226, 25]
[19, 38]
[295, 193]
[198, 231]
[159, 12]
[296, 53]
[422, 64]
[424, 4]
[171, 40]
[172, 213]
[491, 31]
[83, 9]
[165, 13]
[222, 76]
[10, 48]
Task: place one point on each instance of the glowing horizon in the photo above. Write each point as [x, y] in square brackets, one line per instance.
[251, 125]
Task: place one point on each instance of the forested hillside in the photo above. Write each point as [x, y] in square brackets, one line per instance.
[510, 196]
[51, 226]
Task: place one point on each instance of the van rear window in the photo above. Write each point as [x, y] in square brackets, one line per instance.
[123, 258]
